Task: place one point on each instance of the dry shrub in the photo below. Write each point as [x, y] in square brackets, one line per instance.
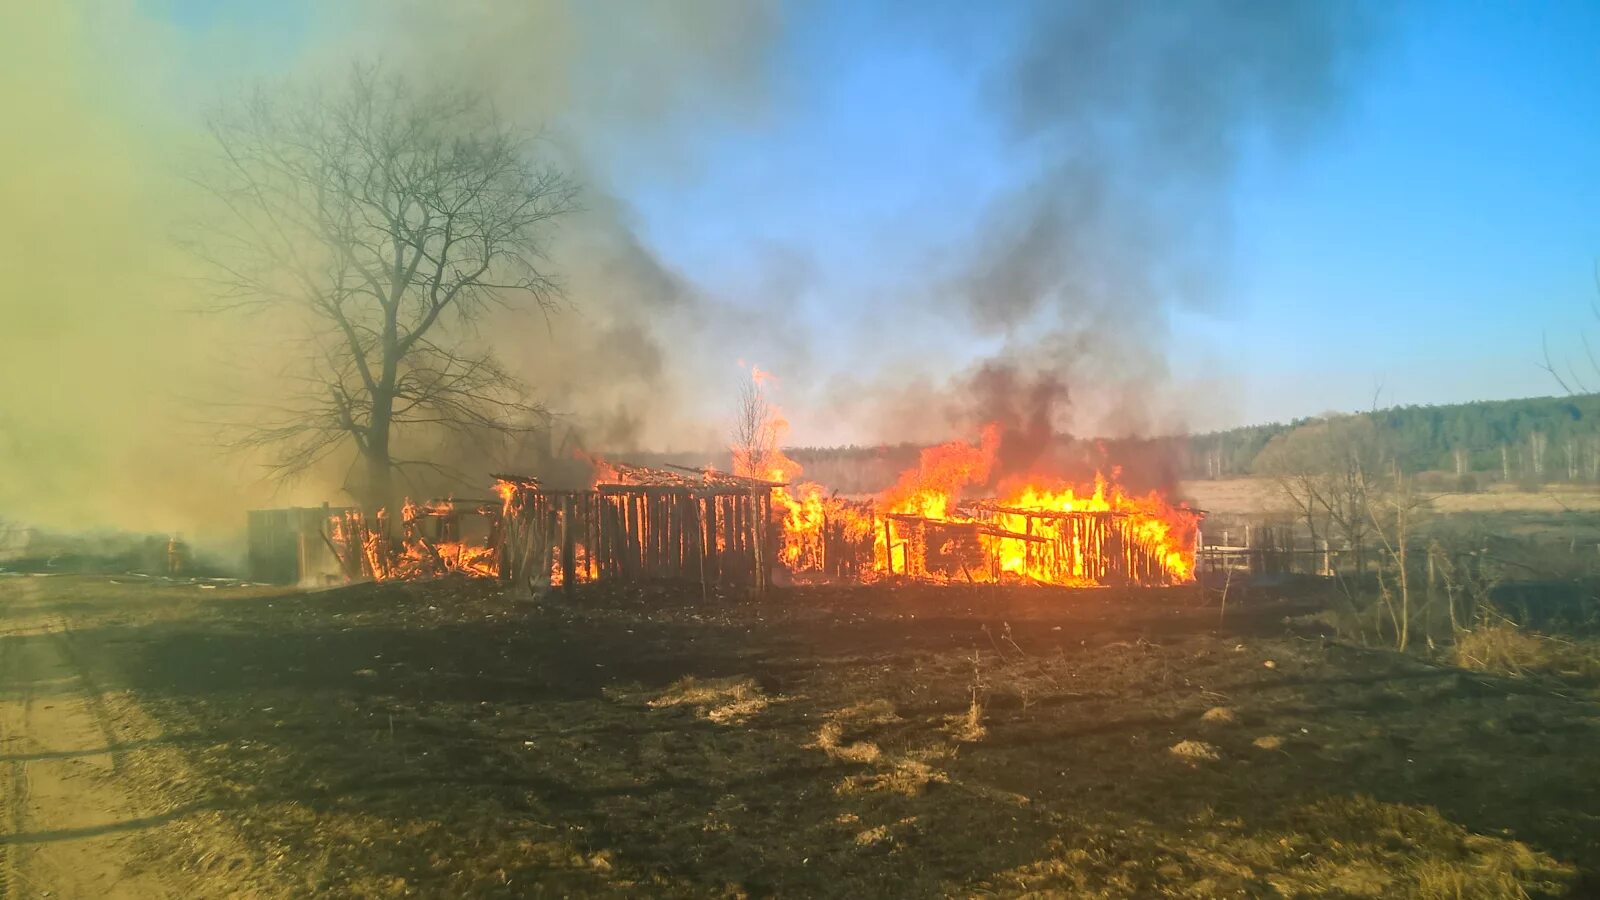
[1219, 715]
[1501, 646]
[1268, 742]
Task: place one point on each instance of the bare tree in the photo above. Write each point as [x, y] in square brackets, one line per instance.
[757, 428]
[385, 218]
[1581, 377]
[1336, 471]
[1395, 508]
[1328, 470]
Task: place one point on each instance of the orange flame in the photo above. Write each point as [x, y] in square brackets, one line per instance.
[372, 552]
[1040, 530]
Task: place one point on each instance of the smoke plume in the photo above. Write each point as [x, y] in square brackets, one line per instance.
[1132, 121]
[1120, 129]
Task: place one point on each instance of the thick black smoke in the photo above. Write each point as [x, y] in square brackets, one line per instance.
[1132, 121]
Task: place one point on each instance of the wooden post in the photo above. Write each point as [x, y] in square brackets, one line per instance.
[640, 530]
[602, 552]
[698, 547]
[770, 538]
[736, 534]
[679, 553]
[569, 538]
[591, 531]
[759, 544]
[712, 558]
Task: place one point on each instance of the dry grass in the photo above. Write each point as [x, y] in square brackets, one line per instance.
[1503, 647]
[725, 701]
[352, 786]
[1347, 847]
[968, 727]
[1243, 496]
[830, 740]
[908, 775]
[1195, 750]
[833, 738]
[872, 836]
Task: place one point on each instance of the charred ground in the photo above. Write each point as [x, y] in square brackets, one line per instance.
[445, 738]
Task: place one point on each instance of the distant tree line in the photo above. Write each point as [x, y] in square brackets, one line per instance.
[1537, 440]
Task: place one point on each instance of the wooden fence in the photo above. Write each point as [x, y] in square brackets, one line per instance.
[713, 534]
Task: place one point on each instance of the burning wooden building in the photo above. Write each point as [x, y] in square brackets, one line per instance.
[988, 541]
[716, 528]
[1033, 530]
[634, 523]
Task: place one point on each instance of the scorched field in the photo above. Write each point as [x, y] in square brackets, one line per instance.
[446, 738]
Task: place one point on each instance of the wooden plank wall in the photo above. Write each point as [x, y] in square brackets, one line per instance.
[714, 536]
[287, 546]
[1101, 547]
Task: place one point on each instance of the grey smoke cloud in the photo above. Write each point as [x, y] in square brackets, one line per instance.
[1134, 120]
[1128, 123]
[1124, 124]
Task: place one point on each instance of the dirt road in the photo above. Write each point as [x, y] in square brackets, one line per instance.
[74, 823]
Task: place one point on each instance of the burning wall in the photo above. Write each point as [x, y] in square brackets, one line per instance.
[1034, 529]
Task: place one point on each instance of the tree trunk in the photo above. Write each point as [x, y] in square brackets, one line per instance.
[380, 464]
[378, 490]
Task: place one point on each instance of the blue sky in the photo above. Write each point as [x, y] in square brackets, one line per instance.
[1419, 244]
[1450, 221]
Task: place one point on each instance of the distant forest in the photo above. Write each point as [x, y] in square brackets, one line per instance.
[1536, 440]
[1540, 439]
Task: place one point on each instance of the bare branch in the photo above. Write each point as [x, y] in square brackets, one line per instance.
[393, 216]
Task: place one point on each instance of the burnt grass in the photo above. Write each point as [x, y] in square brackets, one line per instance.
[448, 739]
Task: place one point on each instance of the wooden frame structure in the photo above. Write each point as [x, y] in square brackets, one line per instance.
[681, 524]
[1080, 547]
[702, 525]
[1090, 546]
